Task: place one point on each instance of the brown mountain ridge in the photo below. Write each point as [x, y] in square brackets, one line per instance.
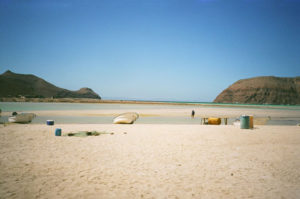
[30, 86]
[262, 90]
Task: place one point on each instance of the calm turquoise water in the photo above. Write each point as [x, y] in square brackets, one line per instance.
[36, 106]
[31, 107]
[228, 105]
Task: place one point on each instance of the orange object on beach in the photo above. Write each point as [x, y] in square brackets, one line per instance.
[251, 122]
[214, 120]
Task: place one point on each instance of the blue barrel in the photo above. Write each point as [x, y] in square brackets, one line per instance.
[245, 122]
[57, 132]
[50, 122]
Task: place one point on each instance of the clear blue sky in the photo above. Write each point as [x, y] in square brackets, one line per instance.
[188, 50]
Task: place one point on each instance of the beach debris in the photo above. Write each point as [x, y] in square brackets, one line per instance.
[21, 118]
[126, 118]
[251, 121]
[58, 132]
[245, 122]
[87, 133]
[261, 120]
[50, 122]
[7, 123]
[237, 122]
[214, 121]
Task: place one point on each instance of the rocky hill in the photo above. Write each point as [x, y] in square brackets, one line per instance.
[30, 86]
[262, 90]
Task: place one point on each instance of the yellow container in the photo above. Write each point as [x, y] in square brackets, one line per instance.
[251, 125]
[214, 120]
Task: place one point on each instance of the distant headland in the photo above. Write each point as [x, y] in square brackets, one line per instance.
[15, 85]
[263, 90]
[258, 90]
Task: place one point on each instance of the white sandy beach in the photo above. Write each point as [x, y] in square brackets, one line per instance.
[150, 161]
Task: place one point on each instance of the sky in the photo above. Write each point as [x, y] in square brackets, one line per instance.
[170, 50]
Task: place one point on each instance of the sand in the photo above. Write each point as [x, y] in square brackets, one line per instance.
[178, 111]
[167, 110]
[150, 161]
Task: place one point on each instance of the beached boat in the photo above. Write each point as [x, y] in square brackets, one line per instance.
[126, 118]
[22, 118]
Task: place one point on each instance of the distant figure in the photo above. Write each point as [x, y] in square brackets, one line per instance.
[14, 113]
[193, 114]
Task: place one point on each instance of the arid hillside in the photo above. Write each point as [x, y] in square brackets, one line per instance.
[262, 90]
[30, 86]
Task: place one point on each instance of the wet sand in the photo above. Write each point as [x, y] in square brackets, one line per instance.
[261, 115]
[150, 161]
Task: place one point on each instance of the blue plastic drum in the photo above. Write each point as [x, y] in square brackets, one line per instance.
[50, 122]
[58, 132]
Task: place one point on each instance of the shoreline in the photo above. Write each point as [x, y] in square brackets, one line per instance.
[101, 101]
[154, 113]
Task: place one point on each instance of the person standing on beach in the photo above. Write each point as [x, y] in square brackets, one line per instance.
[193, 114]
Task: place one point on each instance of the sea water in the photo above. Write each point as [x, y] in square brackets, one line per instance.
[41, 106]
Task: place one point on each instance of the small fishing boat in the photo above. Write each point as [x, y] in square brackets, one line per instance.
[126, 118]
[22, 118]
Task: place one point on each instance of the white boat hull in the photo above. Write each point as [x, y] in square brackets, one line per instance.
[126, 118]
[22, 118]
